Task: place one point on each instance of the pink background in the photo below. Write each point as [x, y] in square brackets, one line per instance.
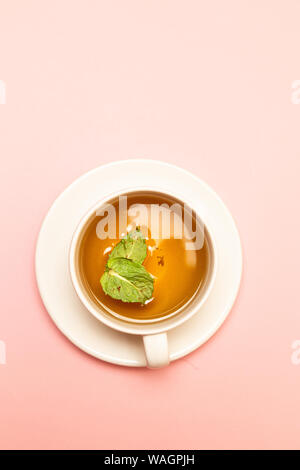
[204, 85]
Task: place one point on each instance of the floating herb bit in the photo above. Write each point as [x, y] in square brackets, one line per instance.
[127, 280]
[132, 247]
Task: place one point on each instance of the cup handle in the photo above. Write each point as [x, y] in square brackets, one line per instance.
[157, 350]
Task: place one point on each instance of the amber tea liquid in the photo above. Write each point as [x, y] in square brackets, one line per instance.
[178, 273]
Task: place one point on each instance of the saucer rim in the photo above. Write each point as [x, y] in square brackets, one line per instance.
[225, 310]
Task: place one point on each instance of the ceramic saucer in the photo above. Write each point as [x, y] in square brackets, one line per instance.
[52, 270]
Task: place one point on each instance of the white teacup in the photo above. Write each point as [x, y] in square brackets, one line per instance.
[154, 332]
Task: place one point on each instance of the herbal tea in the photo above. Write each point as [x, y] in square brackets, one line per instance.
[139, 273]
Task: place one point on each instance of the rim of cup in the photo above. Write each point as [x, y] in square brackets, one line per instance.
[128, 325]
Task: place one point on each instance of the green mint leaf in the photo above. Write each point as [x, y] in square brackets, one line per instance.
[127, 281]
[133, 247]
